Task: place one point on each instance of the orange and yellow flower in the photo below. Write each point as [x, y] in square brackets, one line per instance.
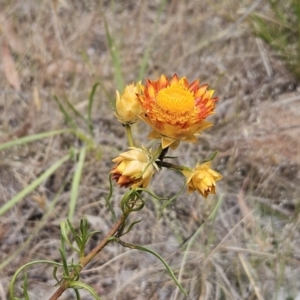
[202, 179]
[176, 109]
[128, 108]
[134, 168]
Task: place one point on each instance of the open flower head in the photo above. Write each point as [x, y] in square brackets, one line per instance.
[134, 168]
[202, 179]
[128, 108]
[176, 109]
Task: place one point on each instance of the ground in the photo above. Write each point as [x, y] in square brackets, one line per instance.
[249, 249]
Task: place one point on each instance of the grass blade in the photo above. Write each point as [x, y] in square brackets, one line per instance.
[146, 55]
[25, 287]
[145, 249]
[64, 229]
[68, 118]
[116, 58]
[75, 183]
[8, 205]
[171, 200]
[212, 216]
[108, 198]
[37, 228]
[74, 110]
[91, 100]
[32, 138]
[14, 278]
[82, 285]
[111, 100]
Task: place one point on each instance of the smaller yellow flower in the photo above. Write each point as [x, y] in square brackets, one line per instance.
[202, 179]
[128, 107]
[134, 168]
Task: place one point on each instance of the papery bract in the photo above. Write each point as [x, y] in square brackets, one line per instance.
[202, 179]
[128, 108]
[176, 109]
[134, 168]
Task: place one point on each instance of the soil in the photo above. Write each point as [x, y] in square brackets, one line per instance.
[250, 249]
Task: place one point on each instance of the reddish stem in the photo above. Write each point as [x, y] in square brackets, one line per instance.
[85, 260]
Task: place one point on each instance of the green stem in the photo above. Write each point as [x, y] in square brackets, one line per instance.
[85, 260]
[129, 135]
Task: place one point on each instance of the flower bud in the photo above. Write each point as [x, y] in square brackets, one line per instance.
[134, 168]
[202, 179]
[128, 108]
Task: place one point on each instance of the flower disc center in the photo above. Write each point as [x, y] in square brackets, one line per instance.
[175, 99]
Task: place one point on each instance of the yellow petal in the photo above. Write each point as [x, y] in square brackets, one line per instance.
[166, 142]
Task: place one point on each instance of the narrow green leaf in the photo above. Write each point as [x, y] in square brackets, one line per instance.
[75, 183]
[84, 235]
[74, 110]
[76, 270]
[64, 260]
[25, 287]
[90, 106]
[82, 285]
[77, 294]
[108, 95]
[14, 278]
[138, 190]
[146, 55]
[193, 238]
[71, 227]
[8, 205]
[125, 199]
[171, 200]
[145, 249]
[128, 198]
[35, 231]
[216, 209]
[32, 138]
[85, 138]
[108, 198]
[83, 227]
[54, 274]
[68, 118]
[92, 233]
[64, 230]
[116, 58]
[210, 158]
[76, 236]
[137, 206]
[130, 227]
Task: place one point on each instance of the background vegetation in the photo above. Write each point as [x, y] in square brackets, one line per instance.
[250, 250]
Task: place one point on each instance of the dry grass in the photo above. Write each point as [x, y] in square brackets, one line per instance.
[251, 249]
